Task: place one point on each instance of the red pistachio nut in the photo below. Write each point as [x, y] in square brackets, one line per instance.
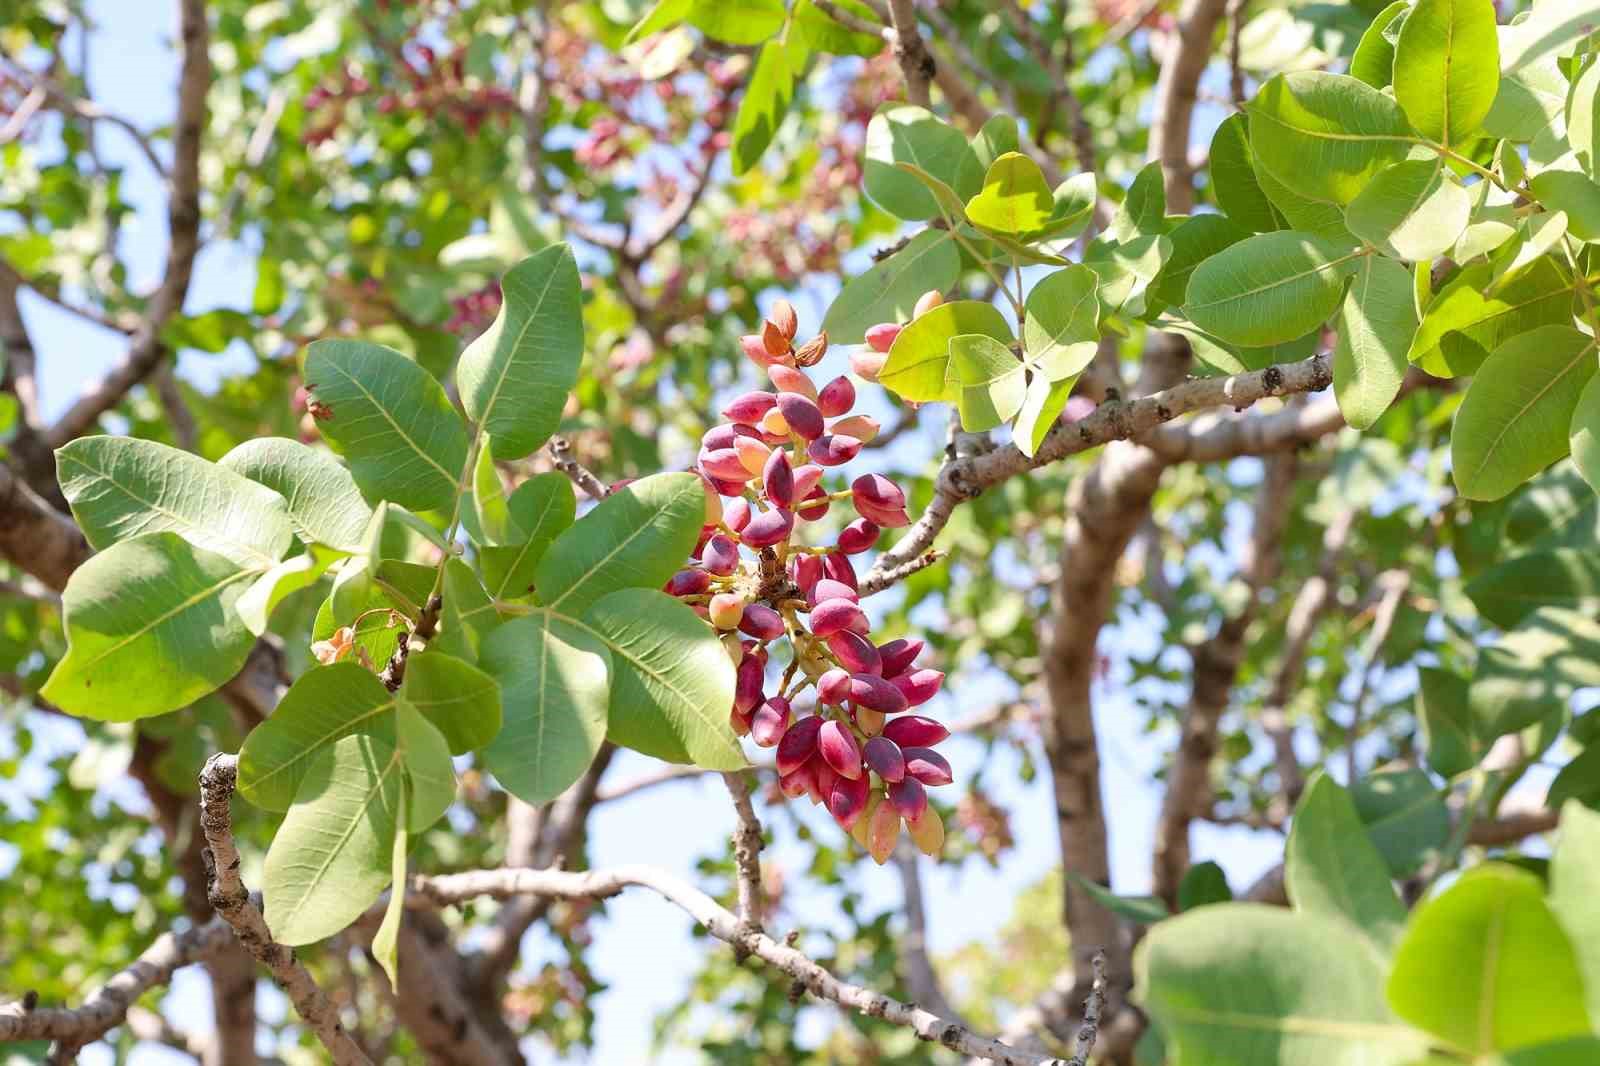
[720, 556]
[805, 570]
[919, 686]
[807, 476]
[833, 449]
[814, 506]
[884, 757]
[770, 721]
[829, 589]
[898, 655]
[737, 514]
[838, 567]
[876, 694]
[724, 464]
[927, 766]
[801, 415]
[763, 623]
[858, 536]
[833, 687]
[916, 731]
[799, 743]
[748, 680]
[832, 616]
[847, 800]
[688, 582]
[749, 408]
[768, 528]
[836, 397]
[907, 795]
[880, 338]
[777, 478]
[854, 652]
[839, 749]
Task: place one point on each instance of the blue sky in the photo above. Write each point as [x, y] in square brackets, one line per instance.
[642, 946]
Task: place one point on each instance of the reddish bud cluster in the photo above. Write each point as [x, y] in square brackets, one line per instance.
[868, 361]
[858, 752]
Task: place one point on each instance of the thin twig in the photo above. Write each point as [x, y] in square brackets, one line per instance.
[561, 455]
[1092, 1006]
[746, 853]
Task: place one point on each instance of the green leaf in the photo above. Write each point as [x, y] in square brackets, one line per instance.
[1233, 177]
[461, 700]
[1414, 210]
[1194, 240]
[1553, 28]
[1015, 198]
[333, 854]
[1563, 577]
[671, 680]
[1529, 104]
[555, 676]
[1579, 1051]
[889, 290]
[919, 360]
[1319, 217]
[1447, 67]
[324, 503]
[636, 537]
[1483, 321]
[779, 68]
[391, 419]
[487, 519]
[1072, 203]
[901, 133]
[1584, 438]
[1444, 714]
[1515, 419]
[1272, 287]
[468, 613]
[950, 205]
[430, 775]
[1126, 270]
[539, 510]
[823, 34]
[1373, 61]
[1327, 135]
[1578, 782]
[1229, 986]
[1404, 815]
[386, 941]
[268, 294]
[1531, 672]
[1376, 323]
[326, 704]
[1583, 118]
[120, 487]
[1143, 910]
[150, 628]
[664, 15]
[1485, 967]
[1143, 210]
[514, 379]
[997, 137]
[1204, 884]
[991, 378]
[1576, 194]
[297, 572]
[1043, 404]
[1574, 873]
[737, 21]
[1332, 868]
[1061, 323]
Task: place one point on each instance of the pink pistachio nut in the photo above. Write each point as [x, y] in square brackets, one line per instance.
[880, 338]
[862, 427]
[770, 720]
[916, 731]
[858, 536]
[839, 749]
[927, 766]
[688, 583]
[837, 566]
[748, 680]
[777, 477]
[855, 653]
[799, 743]
[749, 408]
[814, 506]
[908, 797]
[867, 364]
[833, 449]
[919, 686]
[874, 693]
[884, 757]
[801, 414]
[836, 397]
[788, 379]
[829, 589]
[833, 687]
[763, 623]
[720, 556]
[768, 528]
[724, 464]
[847, 800]
[832, 616]
[737, 514]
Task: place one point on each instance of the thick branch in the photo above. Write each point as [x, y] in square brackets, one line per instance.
[1188, 54]
[747, 852]
[915, 61]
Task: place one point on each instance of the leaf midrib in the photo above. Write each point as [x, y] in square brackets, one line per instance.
[1494, 445]
[527, 324]
[416, 448]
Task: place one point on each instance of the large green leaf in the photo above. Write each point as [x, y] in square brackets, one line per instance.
[919, 361]
[737, 21]
[1229, 985]
[297, 572]
[1584, 437]
[1141, 910]
[902, 133]
[1444, 713]
[889, 290]
[671, 680]
[1562, 577]
[538, 511]
[467, 615]
[1194, 240]
[150, 628]
[637, 537]
[1373, 59]
[1269, 288]
[326, 704]
[1015, 198]
[430, 775]
[324, 503]
[555, 679]
[823, 34]
[1447, 67]
[332, 856]
[1531, 672]
[1414, 210]
[1479, 321]
[1233, 178]
[1574, 875]
[392, 421]
[1553, 28]
[514, 379]
[991, 379]
[1061, 322]
[1516, 416]
[1583, 118]
[779, 68]
[120, 487]
[1486, 967]
[1331, 867]
[1041, 407]
[1376, 323]
[1573, 192]
[461, 700]
[997, 137]
[1327, 135]
[1405, 816]
[1126, 270]
[1143, 210]
[1321, 217]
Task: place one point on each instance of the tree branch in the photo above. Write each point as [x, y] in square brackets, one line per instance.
[921, 978]
[561, 455]
[746, 853]
[916, 64]
[1181, 68]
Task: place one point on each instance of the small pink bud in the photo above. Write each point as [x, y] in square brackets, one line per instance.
[858, 536]
[720, 556]
[862, 427]
[832, 616]
[727, 608]
[867, 364]
[837, 566]
[806, 477]
[752, 454]
[927, 302]
[877, 491]
[833, 687]
[788, 379]
[806, 571]
[724, 464]
[799, 743]
[777, 477]
[907, 795]
[883, 832]
[754, 350]
[740, 723]
[916, 731]
[768, 528]
[770, 720]
[839, 748]
[881, 337]
[847, 800]
[688, 583]
[883, 756]
[898, 655]
[829, 589]
[749, 408]
[737, 514]
[833, 449]
[801, 414]
[927, 766]
[919, 686]
[814, 506]
[873, 692]
[747, 684]
[836, 397]
[855, 653]
[718, 437]
[763, 623]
